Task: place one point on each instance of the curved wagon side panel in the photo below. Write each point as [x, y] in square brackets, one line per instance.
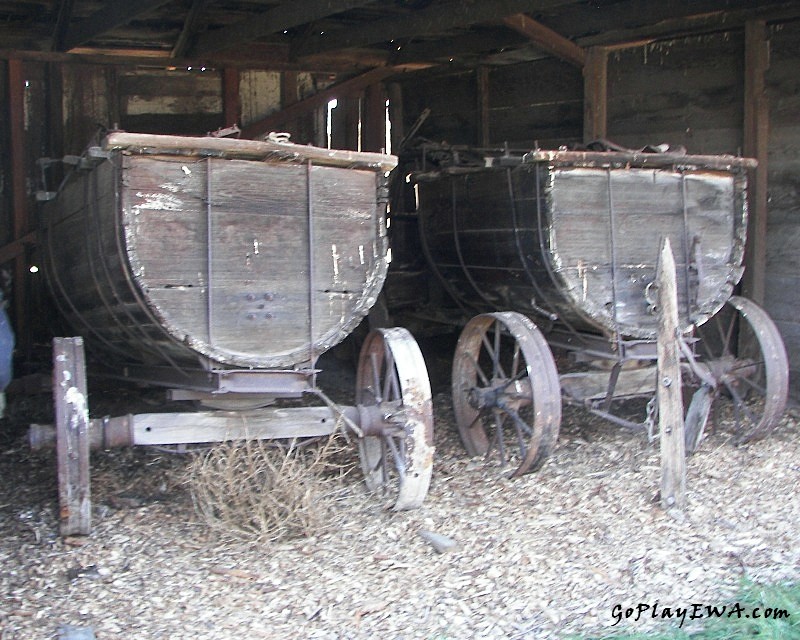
[173, 253]
[560, 237]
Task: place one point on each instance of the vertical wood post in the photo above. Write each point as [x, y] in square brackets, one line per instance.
[373, 118]
[231, 104]
[72, 436]
[483, 105]
[756, 141]
[19, 194]
[595, 94]
[669, 388]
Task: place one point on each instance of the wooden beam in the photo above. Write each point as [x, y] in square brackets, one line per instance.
[373, 118]
[439, 17]
[72, 436]
[111, 16]
[348, 87]
[482, 73]
[595, 95]
[547, 39]
[231, 104]
[16, 248]
[62, 24]
[756, 143]
[283, 17]
[270, 57]
[189, 29]
[670, 398]
[19, 192]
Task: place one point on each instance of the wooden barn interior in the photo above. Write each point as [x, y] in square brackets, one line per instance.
[713, 76]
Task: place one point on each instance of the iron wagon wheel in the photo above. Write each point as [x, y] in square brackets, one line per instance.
[506, 391]
[743, 351]
[393, 396]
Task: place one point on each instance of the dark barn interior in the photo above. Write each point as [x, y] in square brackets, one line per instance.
[173, 145]
[714, 77]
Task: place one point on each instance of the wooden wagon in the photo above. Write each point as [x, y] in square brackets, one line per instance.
[559, 250]
[221, 269]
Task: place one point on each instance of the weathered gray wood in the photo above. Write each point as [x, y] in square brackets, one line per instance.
[166, 256]
[594, 385]
[595, 94]
[565, 234]
[203, 426]
[72, 436]
[756, 144]
[670, 396]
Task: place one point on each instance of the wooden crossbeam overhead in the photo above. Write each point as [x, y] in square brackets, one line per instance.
[434, 19]
[111, 16]
[62, 23]
[547, 39]
[284, 16]
[189, 29]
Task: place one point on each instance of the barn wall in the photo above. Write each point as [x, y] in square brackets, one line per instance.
[783, 226]
[686, 92]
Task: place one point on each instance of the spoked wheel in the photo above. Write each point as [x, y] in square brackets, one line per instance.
[506, 391]
[393, 396]
[752, 387]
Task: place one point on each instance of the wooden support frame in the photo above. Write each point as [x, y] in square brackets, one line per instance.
[72, 436]
[595, 95]
[19, 198]
[231, 102]
[547, 39]
[756, 145]
[669, 387]
[482, 78]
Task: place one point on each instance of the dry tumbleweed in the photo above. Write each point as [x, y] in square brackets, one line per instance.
[264, 491]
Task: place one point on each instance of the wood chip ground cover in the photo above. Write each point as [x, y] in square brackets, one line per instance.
[547, 555]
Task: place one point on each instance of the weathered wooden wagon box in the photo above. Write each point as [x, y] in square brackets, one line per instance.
[186, 251]
[576, 235]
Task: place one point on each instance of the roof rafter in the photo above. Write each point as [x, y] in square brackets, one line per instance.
[547, 39]
[434, 19]
[278, 19]
[112, 15]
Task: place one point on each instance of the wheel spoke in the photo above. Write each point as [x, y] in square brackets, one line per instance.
[478, 370]
[376, 376]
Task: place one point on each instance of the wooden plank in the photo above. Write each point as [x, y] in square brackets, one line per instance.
[595, 95]
[482, 77]
[19, 197]
[189, 29]
[441, 16]
[547, 39]
[72, 436]
[274, 20]
[219, 426]
[756, 145]
[670, 396]
[112, 15]
[231, 105]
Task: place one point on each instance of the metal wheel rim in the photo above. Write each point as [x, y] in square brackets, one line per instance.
[392, 375]
[733, 375]
[534, 374]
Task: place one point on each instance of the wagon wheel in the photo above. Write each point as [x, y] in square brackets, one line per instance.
[393, 396]
[754, 385]
[506, 391]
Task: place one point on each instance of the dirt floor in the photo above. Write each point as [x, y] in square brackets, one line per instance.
[547, 555]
